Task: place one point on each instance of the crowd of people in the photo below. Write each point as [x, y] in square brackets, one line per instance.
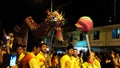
[36, 55]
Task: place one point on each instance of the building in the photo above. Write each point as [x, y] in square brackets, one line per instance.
[105, 37]
[101, 38]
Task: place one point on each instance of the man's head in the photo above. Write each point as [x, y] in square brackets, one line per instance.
[75, 52]
[70, 49]
[34, 47]
[90, 54]
[19, 49]
[43, 47]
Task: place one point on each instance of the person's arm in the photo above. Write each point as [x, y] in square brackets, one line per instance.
[115, 62]
[41, 60]
[1, 56]
[12, 66]
[97, 63]
[48, 61]
[4, 33]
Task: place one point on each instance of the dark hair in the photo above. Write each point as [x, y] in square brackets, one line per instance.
[70, 46]
[42, 44]
[75, 49]
[86, 55]
[19, 45]
[32, 45]
[15, 46]
[88, 52]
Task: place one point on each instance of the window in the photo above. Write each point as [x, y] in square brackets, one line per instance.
[96, 35]
[115, 33]
[82, 36]
[70, 38]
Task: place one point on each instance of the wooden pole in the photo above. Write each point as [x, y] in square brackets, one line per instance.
[88, 44]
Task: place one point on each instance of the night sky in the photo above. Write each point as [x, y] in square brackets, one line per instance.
[13, 12]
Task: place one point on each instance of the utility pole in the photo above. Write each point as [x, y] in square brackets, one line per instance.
[114, 10]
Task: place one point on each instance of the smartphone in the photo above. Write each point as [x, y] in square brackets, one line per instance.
[13, 58]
